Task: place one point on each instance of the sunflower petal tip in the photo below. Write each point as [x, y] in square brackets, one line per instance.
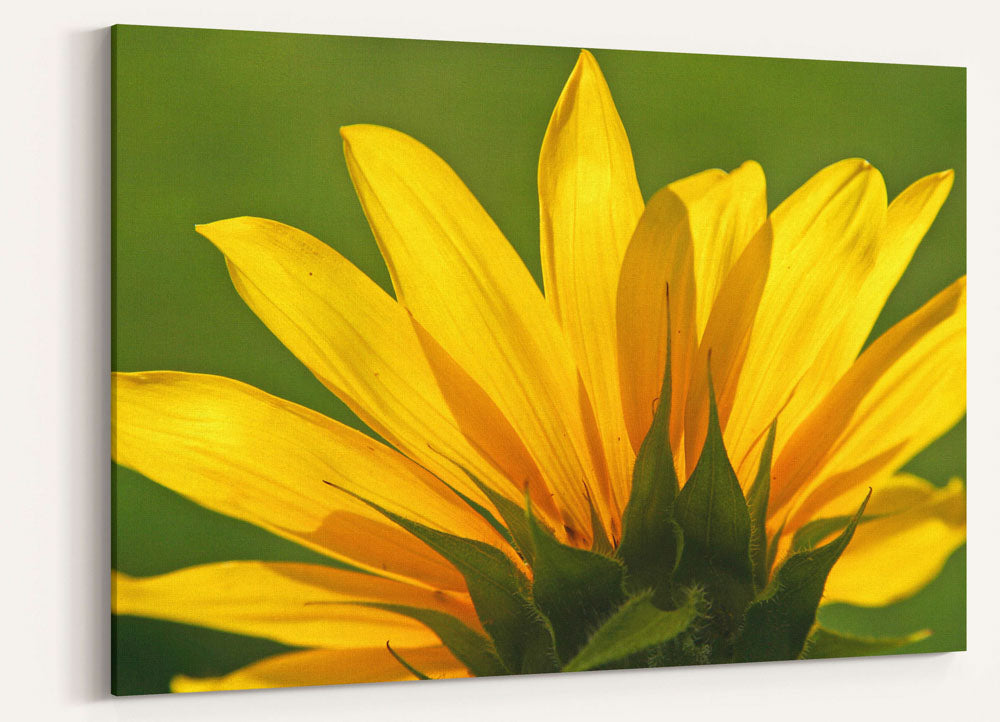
[586, 64]
[346, 132]
[355, 132]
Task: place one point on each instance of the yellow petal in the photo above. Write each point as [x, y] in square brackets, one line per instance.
[325, 666]
[904, 391]
[909, 217]
[660, 254]
[725, 341]
[362, 345]
[589, 203]
[464, 283]
[497, 442]
[894, 557]
[302, 605]
[244, 453]
[825, 238]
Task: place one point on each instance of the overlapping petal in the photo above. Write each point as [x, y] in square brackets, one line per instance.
[689, 237]
[824, 241]
[302, 605]
[328, 666]
[907, 220]
[242, 452]
[904, 391]
[658, 258]
[725, 210]
[362, 345]
[464, 283]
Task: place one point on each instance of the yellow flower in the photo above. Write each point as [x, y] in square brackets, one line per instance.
[471, 373]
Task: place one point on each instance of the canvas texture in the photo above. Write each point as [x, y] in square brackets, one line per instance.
[435, 360]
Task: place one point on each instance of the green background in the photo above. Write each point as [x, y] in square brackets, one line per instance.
[212, 124]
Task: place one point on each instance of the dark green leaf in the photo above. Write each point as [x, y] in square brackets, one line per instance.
[778, 622]
[498, 589]
[470, 648]
[636, 626]
[651, 540]
[413, 670]
[757, 501]
[574, 588]
[826, 644]
[713, 514]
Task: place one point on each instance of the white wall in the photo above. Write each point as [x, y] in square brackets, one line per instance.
[54, 266]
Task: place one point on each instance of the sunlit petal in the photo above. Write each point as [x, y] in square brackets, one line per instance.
[909, 217]
[237, 450]
[904, 391]
[327, 666]
[892, 558]
[824, 245]
[464, 283]
[303, 605]
[362, 345]
[589, 203]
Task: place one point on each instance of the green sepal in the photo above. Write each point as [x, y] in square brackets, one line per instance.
[481, 510]
[512, 515]
[715, 519]
[772, 548]
[638, 625]
[410, 668]
[499, 591]
[600, 544]
[651, 540]
[778, 622]
[757, 500]
[827, 644]
[470, 648]
[812, 533]
[574, 588]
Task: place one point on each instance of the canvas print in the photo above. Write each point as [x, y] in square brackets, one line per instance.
[438, 360]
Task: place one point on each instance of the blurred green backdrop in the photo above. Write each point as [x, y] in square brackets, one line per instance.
[212, 124]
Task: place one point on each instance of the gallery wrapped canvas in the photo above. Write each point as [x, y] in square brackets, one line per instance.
[439, 360]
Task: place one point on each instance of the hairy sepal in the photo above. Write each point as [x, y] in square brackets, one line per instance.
[778, 622]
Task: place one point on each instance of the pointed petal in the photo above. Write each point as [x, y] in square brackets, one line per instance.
[302, 605]
[362, 346]
[909, 217]
[589, 203]
[464, 283]
[242, 452]
[892, 558]
[825, 238]
[326, 666]
[904, 391]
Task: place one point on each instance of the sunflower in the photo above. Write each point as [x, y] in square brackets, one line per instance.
[672, 456]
